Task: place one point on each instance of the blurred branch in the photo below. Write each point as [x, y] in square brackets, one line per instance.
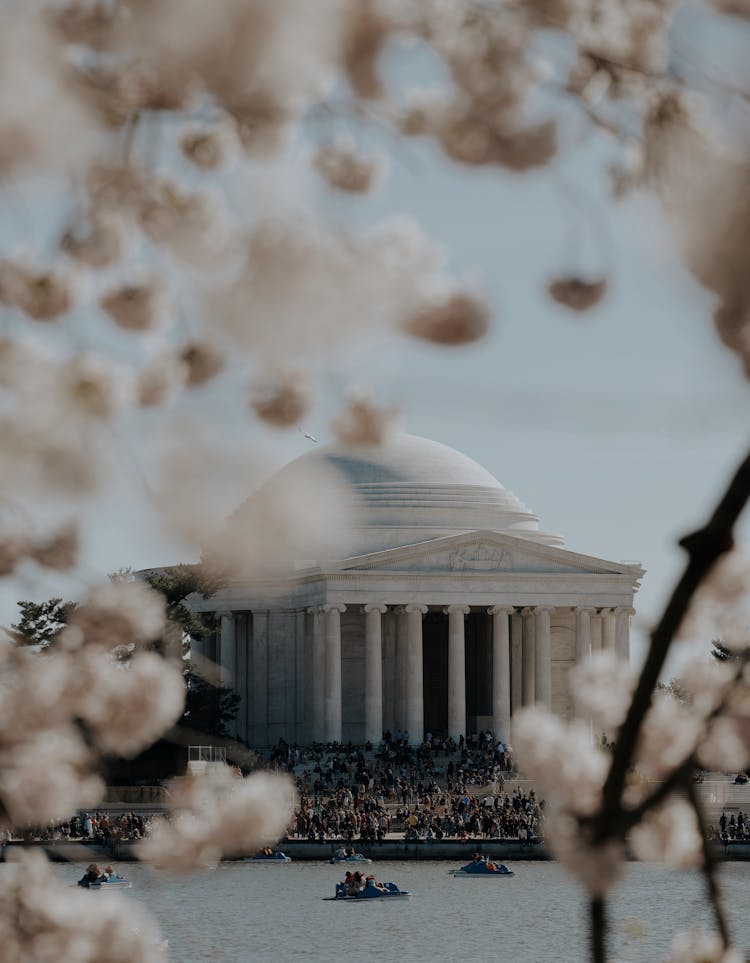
[709, 867]
[598, 912]
[704, 548]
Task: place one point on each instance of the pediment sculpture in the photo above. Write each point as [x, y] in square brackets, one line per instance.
[480, 558]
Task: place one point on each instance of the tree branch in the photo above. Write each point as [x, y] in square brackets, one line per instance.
[598, 911]
[709, 867]
[704, 547]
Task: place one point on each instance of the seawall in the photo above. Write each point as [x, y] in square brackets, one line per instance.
[301, 850]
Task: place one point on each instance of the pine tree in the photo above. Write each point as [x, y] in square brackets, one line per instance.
[41, 622]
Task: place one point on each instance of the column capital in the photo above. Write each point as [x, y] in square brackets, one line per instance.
[500, 610]
[624, 610]
[584, 610]
[544, 610]
[457, 609]
[314, 609]
[334, 607]
[606, 611]
[375, 607]
[528, 610]
[416, 607]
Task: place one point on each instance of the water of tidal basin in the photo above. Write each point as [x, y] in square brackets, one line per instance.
[250, 912]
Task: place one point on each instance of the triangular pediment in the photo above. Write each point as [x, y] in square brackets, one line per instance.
[485, 553]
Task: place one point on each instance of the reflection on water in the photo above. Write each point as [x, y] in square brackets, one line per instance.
[258, 912]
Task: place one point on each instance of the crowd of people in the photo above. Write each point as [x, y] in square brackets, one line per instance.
[102, 828]
[734, 828]
[441, 789]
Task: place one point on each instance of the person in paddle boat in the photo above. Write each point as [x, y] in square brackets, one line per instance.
[372, 883]
[354, 883]
[340, 853]
[110, 875]
[92, 875]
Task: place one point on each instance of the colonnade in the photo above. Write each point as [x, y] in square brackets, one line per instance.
[521, 643]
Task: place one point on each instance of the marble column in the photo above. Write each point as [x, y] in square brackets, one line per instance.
[300, 678]
[402, 668]
[543, 656]
[414, 675]
[529, 660]
[608, 629]
[333, 672]
[596, 632]
[456, 670]
[241, 720]
[260, 678]
[500, 672]
[318, 681]
[622, 631]
[374, 673]
[583, 633]
[228, 650]
[516, 662]
[228, 655]
[389, 671]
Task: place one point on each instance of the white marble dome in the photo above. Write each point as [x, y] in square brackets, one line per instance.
[411, 489]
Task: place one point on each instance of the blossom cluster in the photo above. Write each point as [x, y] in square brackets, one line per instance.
[61, 708]
[219, 814]
[570, 766]
[177, 252]
[41, 920]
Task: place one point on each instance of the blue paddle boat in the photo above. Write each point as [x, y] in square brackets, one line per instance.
[103, 885]
[372, 890]
[102, 879]
[348, 856]
[480, 866]
[268, 855]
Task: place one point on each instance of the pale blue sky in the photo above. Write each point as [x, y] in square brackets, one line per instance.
[617, 427]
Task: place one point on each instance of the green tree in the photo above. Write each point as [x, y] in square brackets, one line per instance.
[209, 706]
[41, 622]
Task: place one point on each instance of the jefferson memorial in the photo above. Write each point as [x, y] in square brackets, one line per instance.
[450, 610]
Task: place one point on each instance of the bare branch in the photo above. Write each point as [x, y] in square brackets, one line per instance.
[709, 867]
[704, 548]
[598, 913]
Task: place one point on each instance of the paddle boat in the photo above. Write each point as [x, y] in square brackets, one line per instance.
[348, 856]
[480, 866]
[107, 884]
[94, 878]
[372, 890]
[268, 855]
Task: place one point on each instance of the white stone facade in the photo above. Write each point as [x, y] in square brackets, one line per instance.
[433, 627]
